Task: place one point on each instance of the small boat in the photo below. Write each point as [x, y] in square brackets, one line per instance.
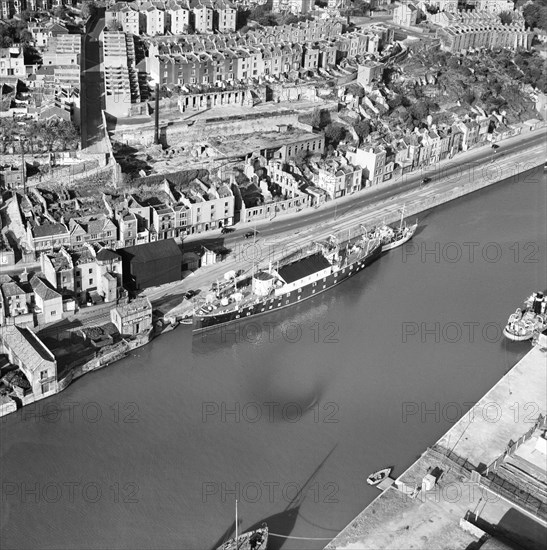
[253, 540]
[401, 237]
[524, 323]
[393, 237]
[377, 477]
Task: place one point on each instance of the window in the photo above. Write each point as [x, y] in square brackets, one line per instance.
[43, 374]
[90, 270]
[90, 281]
[53, 312]
[78, 238]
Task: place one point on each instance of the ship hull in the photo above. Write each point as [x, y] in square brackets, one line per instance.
[400, 242]
[517, 337]
[263, 307]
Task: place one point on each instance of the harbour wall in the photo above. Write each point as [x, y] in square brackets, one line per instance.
[465, 462]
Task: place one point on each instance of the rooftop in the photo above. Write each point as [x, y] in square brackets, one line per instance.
[106, 255]
[49, 230]
[12, 289]
[43, 289]
[302, 268]
[26, 346]
[150, 252]
[139, 304]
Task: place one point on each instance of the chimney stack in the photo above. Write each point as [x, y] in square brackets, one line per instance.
[157, 116]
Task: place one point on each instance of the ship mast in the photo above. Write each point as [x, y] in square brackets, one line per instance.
[237, 543]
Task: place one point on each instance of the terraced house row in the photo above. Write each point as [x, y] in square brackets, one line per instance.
[173, 16]
[465, 31]
[161, 212]
[211, 62]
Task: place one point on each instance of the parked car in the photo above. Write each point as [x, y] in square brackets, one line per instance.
[426, 180]
[191, 294]
[225, 230]
[250, 234]
[494, 146]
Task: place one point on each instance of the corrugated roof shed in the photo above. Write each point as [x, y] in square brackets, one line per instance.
[151, 252]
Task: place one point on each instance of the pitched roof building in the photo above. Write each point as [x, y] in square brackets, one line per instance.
[25, 350]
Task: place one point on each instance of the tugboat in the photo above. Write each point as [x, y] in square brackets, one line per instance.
[253, 540]
[392, 238]
[377, 477]
[525, 322]
[329, 264]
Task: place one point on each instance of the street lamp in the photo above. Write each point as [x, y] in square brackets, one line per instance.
[23, 168]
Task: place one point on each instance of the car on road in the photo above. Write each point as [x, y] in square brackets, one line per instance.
[426, 180]
[225, 230]
[250, 234]
[494, 146]
[191, 294]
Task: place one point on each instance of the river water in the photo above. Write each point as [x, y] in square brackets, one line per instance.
[288, 413]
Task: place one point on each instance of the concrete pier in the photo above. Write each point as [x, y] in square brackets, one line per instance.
[485, 477]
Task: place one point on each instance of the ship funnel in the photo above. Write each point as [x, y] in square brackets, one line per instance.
[537, 303]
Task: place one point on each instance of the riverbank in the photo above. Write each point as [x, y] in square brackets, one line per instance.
[484, 484]
[347, 220]
[170, 307]
[339, 368]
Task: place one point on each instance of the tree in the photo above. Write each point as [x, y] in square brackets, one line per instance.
[320, 118]
[362, 129]
[113, 25]
[535, 14]
[335, 133]
[453, 63]
[60, 12]
[31, 54]
[89, 9]
[300, 158]
[419, 111]
[506, 17]
[68, 134]
[25, 37]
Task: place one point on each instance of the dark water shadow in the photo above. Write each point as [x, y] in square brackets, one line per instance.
[283, 522]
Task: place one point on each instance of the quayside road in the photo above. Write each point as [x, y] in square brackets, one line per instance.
[276, 238]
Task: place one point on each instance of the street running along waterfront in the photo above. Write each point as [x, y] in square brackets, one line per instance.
[153, 452]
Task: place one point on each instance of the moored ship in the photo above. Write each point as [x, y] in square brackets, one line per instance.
[524, 323]
[393, 237]
[253, 540]
[292, 283]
